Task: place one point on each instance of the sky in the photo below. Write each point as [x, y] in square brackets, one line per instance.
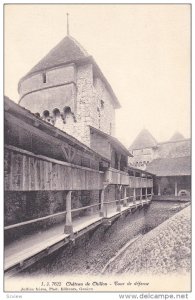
[143, 51]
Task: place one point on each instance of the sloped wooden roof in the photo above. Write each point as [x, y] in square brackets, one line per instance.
[31, 119]
[114, 141]
[143, 140]
[67, 50]
[178, 166]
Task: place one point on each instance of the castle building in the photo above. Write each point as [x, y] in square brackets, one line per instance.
[145, 148]
[170, 161]
[68, 89]
[60, 148]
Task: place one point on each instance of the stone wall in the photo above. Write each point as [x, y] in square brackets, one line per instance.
[74, 87]
[50, 99]
[58, 91]
[141, 157]
[55, 76]
[24, 206]
[104, 104]
[160, 211]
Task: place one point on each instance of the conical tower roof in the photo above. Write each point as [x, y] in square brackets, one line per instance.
[177, 136]
[66, 51]
[143, 140]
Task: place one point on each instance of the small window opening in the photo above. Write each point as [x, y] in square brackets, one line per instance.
[56, 112]
[46, 114]
[102, 104]
[44, 77]
[67, 110]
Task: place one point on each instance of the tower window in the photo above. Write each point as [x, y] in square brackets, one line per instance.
[44, 77]
[46, 114]
[56, 112]
[102, 104]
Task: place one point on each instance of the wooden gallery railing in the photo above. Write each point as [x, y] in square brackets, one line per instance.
[103, 210]
[26, 171]
[126, 204]
[68, 218]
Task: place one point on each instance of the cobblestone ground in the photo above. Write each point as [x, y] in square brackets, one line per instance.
[91, 252]
[165, 249]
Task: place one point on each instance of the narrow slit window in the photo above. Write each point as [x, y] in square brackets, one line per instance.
[44, 77]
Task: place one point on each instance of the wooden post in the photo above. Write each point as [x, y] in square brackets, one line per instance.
[146, 193]
[159, 188]
[106, 210]
[68, 228]
[134, 195]
[118, 208]
[125, 195]
[175, 187]
[102, 210]
[141, 194]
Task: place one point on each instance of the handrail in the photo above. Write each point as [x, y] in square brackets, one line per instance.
[117, 171]
[47, 217]
[34, 220]
[84, 207]
[112, 201]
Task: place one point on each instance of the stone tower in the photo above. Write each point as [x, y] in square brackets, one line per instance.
[143, 149]
[68, 89]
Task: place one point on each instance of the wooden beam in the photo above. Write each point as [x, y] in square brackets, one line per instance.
[68, 228]
[175, 187]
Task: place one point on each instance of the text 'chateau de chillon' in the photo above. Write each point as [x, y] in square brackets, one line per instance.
[65, 170]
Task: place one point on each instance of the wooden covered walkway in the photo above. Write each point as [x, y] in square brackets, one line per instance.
[27, 250]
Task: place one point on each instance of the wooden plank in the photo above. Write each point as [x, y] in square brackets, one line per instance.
[68, 178]
[36, 170]
[59, 178]
[54, 176]
[23, 172]
[7, 168]
[32, 174]
[38, 174]
[42, 157]
[25, 175]
[16, 163]
[62, 180]
[42, 186]
[20, 171]
[46, 172]
[50, 175]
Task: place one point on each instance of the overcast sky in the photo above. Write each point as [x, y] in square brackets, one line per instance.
[143, 51]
